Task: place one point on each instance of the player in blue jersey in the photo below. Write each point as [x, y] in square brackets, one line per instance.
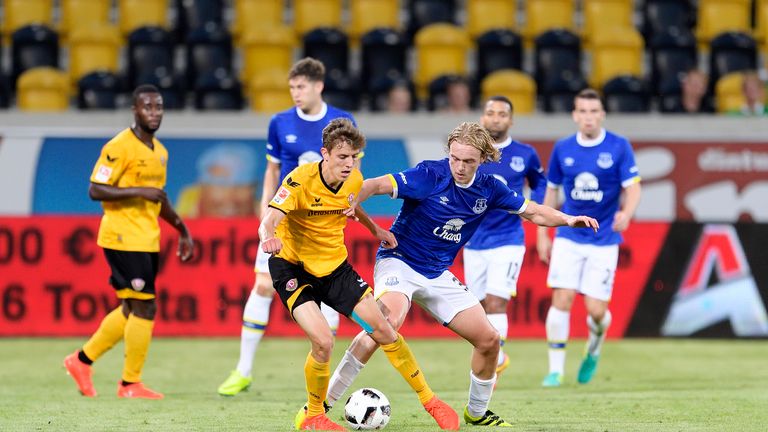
[294, 138]
[494, 255]
[593, 167]
[444, 202]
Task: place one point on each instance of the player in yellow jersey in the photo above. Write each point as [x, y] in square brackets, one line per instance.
[128, 179]
[303, 229]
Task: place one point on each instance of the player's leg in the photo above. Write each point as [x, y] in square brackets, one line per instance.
[138, 335]
[331, 316]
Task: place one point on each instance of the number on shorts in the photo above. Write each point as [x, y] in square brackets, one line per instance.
[513, 271]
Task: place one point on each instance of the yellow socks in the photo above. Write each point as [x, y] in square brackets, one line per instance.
[317, 376]
[138, 334]
[402, 358]
[109, 333]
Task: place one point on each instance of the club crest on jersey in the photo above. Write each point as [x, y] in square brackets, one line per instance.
[291, 285]
[391, 281]
[517, 164]
[604, 160]
[569, 161]
[480, 205]
[138, 284]
[450, 231]
[281, 195]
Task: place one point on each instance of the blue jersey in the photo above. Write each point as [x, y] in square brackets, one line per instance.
[438, 216]
[518, 162]
[592, 175]
[295, 138]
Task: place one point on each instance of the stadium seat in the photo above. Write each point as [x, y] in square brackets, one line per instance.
[731, 52]
[761, 24]
[670, 98]
[486, 15]
[253, 15]
[659, 16]
[422, 13]
[133, 14]
[369, 15]
[672, 51]
[378, 93]
[558, 92]
[615, 51]
[498, 49]
[728, 92]
[330, 46]
[627, 94]
[441, 49]
[5, 91]
[82, 12]
[383, 56]
[93, 48]
[216, 92]
[20, 13]
[556, 52]
[602, 15]
[311, 14]
[718, 16]
[544, 15]
[208, 48]
[194, 14]
[98, 90]
[265, 48]
[516, 85]
[170, 88]
[342, 91]
[268, 92]
[43, 89]
[149, 49]
[33, 46]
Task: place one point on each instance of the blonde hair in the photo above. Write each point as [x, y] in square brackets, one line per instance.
[476, 136]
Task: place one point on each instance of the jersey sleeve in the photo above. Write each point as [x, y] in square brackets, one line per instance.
[286, 198]
[111, 164]
[555, 173]
[413, 183]
[628, 168]
[273, 142]
[505, 198]
[536, 180]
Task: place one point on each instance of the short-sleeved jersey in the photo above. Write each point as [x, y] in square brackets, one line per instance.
[592, 175]
[130, 224]
[439, 216]
[295, 138]
[312, 231]
[519, 162]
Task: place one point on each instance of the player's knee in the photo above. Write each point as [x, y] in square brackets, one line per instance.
[488, 342]
[322, 346]
[494, 305]
[264, 286]
[145, 309]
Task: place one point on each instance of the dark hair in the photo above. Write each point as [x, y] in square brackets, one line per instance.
[500, 98]
[312, 69]
[588, 93]
[340, 131]
[142, 89]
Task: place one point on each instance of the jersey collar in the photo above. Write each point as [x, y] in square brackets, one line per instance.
[504, 143]
[585, 142]
[468, 185]
[322, 179]
[313, 117]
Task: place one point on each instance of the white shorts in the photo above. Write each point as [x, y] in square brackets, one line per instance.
[493, 271]
[262, 261]
[588, 269]
[443, 297]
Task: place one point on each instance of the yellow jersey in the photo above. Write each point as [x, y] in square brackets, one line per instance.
[130, 224]
[312, 231]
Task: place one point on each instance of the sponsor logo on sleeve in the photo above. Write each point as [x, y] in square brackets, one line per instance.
[281, 195]
[103, 173]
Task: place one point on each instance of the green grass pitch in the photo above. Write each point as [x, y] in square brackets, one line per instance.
[641, 385]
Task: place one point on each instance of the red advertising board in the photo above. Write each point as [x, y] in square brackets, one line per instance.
[54, 280]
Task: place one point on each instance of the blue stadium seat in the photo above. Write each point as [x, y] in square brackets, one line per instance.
[330, 46]
[627, 94]
[98, 90]
[342, 91]
[556, 52]
[424, 12]
[383, 56]
[33, 46]
[660, 16]
[498, 49]
[673, 52]
[149, 49]
[558, 91]
[731, 52]
[209, 49]
[216, 92]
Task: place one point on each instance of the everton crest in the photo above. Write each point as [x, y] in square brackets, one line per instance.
[480, 205]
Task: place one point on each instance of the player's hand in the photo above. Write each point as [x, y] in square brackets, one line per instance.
[272, 246]
[620, 221]
[152, 194]
[583, 222]
[544, 247]
[388, 240]
[350, 212]
[186, 247]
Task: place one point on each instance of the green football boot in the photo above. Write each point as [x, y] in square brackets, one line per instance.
[234, 384]
[488, 419]
[588, 368]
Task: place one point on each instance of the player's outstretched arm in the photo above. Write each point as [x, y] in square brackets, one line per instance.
[547, 216]
[269, 222]
[186, 246]
[104, 192]
[375, 186]
[543, 241]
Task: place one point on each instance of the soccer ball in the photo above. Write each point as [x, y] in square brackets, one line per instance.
[367, 409]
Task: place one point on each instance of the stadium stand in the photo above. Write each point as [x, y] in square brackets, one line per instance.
[731, 52]
[615, 51]
[378, 93]
[441, 49]
[486, 15]
[82, 12]
[92, 48]
[544, 15]
[20, 13]
[604, 15]
[422, 13]
[518, 86]
[761, 25]
[718, 16]
[660, 16]
[194, 14]
[556, 52]
[627, 94]
[216, 92]
[254, 15]
[209, 48]
[134, 14]
[265, 48]
[149, 49]
[170, 87]
[330, 46]
[43, 89]
[98, 91]
[383, 57]
[729, 93]
[267, 92]
[311, 14]
[672, 52]
[558, 92]
[341, 91]
[33, 46]
[369, 15]
[498, 49]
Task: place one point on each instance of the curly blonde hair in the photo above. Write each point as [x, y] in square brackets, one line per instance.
[473, 134]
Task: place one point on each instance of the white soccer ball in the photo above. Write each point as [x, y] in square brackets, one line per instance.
[367, 409]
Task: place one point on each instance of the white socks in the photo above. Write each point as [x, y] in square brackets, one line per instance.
[500, 323]
[255, 320]
[331, 316]
[479, 394]
[558, 326]
[348, 369]
[597, 333]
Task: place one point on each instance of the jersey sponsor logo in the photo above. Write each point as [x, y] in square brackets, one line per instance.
[480, 205]
[111, 159]
[163, 160]
[586, 187]
[450, 231]
[138, 284]
[317, 203]
[604, 160]
[281, 195]
[289, 181]
[103, 173]
[309, 157]
[324, 212]
[361, 282]
[291, 285]
[517, 164]
[291, 138]
[569, 161]
[402, 177]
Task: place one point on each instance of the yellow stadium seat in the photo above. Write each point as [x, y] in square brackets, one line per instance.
[82, 12]
[18, 13]
[93, 48]
[268, 92]
[441, 49]
[718, 16]
[543, 15]
[311, 14]
[615, 51]
[729, 95]
[761, 24]
[253, 14]
[367, 15]
[603, 14]
[133, 14]
[43, 89]
[485, 15]
[266, 48]
[517, 86]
